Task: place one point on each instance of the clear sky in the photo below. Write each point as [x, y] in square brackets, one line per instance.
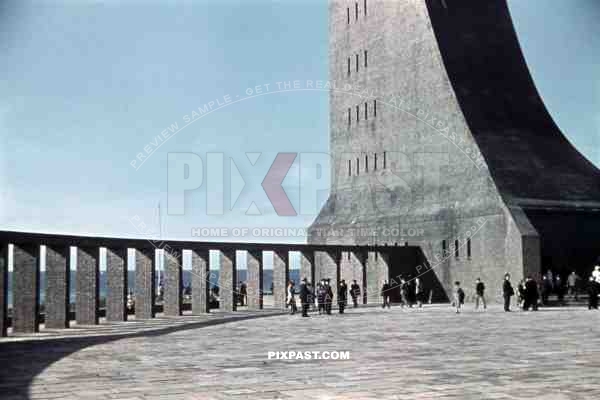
[86, 85]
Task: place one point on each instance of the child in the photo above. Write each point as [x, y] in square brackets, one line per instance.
[459, 296]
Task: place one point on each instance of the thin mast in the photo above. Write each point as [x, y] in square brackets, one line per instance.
[160, 240]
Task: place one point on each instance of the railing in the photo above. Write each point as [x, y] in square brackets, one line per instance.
[316, 261]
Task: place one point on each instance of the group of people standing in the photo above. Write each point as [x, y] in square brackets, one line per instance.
[529, 292]
[323, 294]
[412, 292]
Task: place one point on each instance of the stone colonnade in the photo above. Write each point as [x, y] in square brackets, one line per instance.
[316, 262]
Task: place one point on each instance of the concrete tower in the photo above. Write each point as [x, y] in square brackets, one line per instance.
[442, 143]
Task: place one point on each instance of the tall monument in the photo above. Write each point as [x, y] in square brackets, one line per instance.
[442, 144]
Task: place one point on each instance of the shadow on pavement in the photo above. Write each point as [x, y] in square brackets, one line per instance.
[22, 361]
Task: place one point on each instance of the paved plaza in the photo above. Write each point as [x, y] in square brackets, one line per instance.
[429, 353]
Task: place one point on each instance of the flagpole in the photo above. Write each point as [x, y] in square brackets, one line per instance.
[160, 240]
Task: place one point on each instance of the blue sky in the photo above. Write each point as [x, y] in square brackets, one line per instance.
[85, 86]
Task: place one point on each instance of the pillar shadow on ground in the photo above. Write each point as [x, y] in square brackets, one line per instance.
[22, 361]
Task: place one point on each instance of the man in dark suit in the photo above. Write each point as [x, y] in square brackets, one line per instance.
[328, 296]
[355, 293]
[479, 293]
[531, 294]
[304, 297]
[507, 292]
[342, 296]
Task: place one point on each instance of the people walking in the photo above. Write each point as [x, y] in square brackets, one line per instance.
[592, 290]
[291, 300]
[410, 292]
[559, 289]
[403, 292]
[419, 292]
[130, 302]
[459, 296]
[355, 293]
[342, 296]
[572, 283]
[385, 294]
[507, 292]
[546, 289]
[479, 293]
[531, 294]
[550, 276]
[521, 295]
[321, 294]
[311, 296]
[243, 293]
[304, 297]
[160, 292]
[328, 296]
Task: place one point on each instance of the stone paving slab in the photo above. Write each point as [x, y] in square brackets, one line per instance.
[429, 353]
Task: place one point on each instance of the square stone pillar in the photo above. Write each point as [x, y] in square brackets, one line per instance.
[255, 279]
[116, 295]
[377, 272]
[3, 289]
[145, 282]
[307, 267]
[227, 281]
[358, 260]
[328, 264]
[347, 267]
[87, 304]
[384, 271]
[200, 282]
[281, 276]
[373, 283]
[173, 284]
[58, 276]
[26, 288]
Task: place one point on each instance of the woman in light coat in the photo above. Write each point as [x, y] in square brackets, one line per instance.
[291, 300]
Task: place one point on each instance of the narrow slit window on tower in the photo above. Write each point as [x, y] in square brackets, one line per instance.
[357, 113]
[357, 166]
[365, 59]
[375, 162]
[349, 116]
[348, 9]
[444, 249]
[348, 66]
[366, 111]
[365, 7]
[374, 108]
[356, 62]
[356, 10]
[468, 247]
[349, 167]
[456, 248]
[384, 160]
[367, 163]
